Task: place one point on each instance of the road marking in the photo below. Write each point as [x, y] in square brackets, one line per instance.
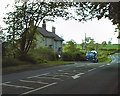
[50, 78]
[61, 75]
[80, 66]
[108, 64]
[91, 69]
[77, 75]
[39, 88]
[102, 66]
[60, 70]
[66, 73]
[10, 85]
[4, 83]
[33, 81]
[38, 75]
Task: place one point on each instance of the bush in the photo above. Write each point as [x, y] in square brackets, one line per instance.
[40, 59]
[43, 54]
[7, 62]
[102, 56]
[29, 58]
[68, 56]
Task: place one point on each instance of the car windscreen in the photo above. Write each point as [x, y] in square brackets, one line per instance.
[90, 53]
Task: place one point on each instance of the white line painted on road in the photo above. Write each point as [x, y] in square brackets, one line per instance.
[102, 66]
[50, 78]
[61, 75]
[91, 69]
[34, 82]
[17, 86]
[60, 70]
[108, 64]
[66, 73]
[77, 75]
[39, 88]
[4, 83]
[80, 66]
[38, 75]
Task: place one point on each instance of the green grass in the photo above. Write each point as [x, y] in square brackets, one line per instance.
[110, 47]
[52, 63]
[106, 60]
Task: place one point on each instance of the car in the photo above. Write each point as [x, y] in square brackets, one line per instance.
[94, 51]
[91, 56]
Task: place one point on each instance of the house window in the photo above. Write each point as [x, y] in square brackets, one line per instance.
[51, 46]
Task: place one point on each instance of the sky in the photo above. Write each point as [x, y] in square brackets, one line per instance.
[102, 30]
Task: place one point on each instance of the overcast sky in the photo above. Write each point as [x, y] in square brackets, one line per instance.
[100, 31]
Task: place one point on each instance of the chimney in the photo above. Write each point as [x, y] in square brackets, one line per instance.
[44, 24]
[53, 29]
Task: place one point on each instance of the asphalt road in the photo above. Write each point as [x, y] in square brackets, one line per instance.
[78, 78]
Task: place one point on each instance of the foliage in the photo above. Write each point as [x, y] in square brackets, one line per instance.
[91, 44]
[71, 52]
[70, 47]
[104, 43]
[69, 56]
[43, 54]
[7, 50]
[24, 20]
[99, 10]
[8, 62]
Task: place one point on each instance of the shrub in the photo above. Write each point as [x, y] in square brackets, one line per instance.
[43, 54]
[102, 57]
[29, 58]
[68, 56]
[7, 62]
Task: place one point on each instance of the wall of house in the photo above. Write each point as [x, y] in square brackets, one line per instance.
[49, 41]
[45, 42]
[40, 41]
[57, 44]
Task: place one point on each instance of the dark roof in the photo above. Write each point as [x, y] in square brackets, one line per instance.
[46, 33]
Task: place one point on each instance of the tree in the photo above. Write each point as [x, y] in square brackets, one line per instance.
[70, 47]
[91, 44]
[23, 22]
[109, 42]
[104, 43]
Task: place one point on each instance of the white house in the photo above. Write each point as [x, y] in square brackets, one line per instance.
[49, 39]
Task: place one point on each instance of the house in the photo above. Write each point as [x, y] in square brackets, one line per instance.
[49, 39]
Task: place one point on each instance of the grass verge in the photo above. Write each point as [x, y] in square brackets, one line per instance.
[25, 67]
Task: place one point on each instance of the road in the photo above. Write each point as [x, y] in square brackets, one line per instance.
[78, 78]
